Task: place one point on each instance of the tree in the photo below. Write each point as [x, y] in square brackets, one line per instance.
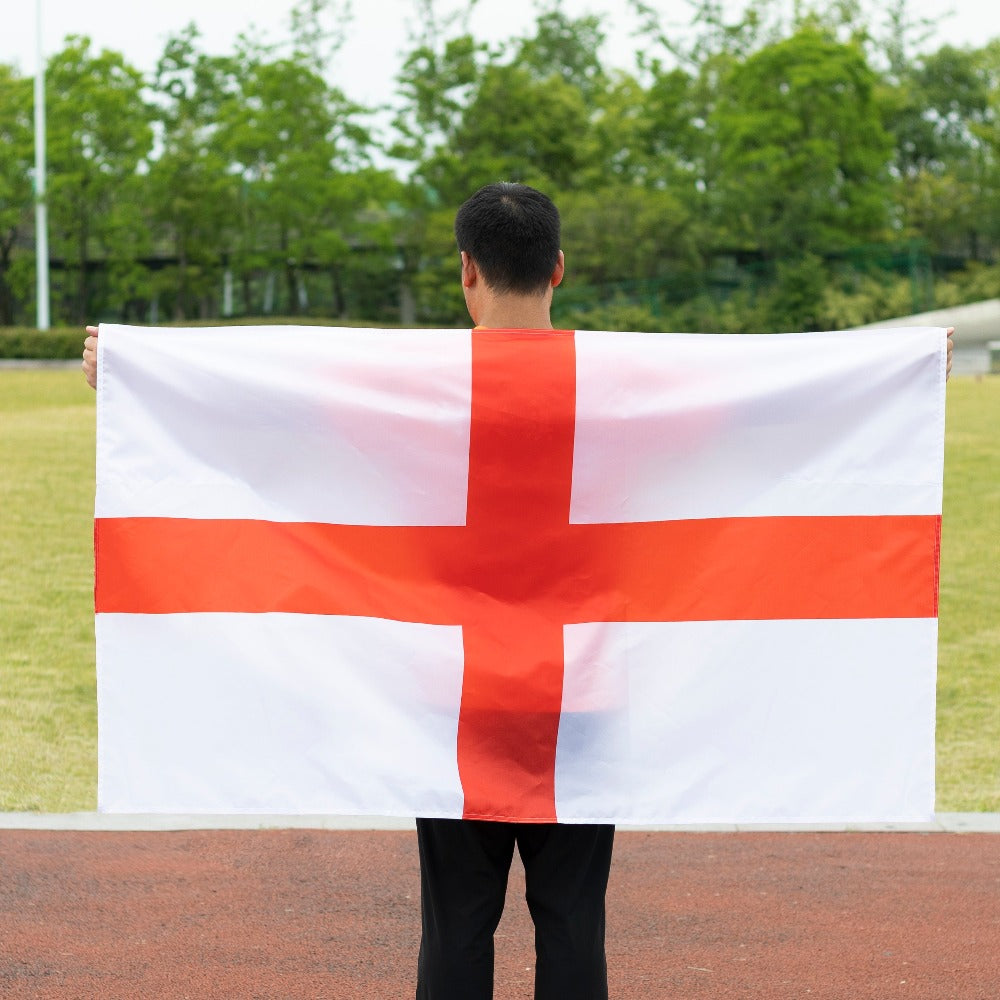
[319, 29]
[623, 233]
[435, 83]
[264, 172]
[802, 155]
[15, 178]
[521, 111]
[939, 112]
[193, 192]
[566, 47]
[295, 144]
[715, 31]
[987, 133]
[516, 127]
[99, 131]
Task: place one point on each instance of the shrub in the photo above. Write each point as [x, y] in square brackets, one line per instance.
[62, 343]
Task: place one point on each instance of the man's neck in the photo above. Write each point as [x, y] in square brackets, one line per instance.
[516, 312]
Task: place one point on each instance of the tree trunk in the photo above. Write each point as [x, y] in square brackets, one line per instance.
[290, 283]
[293, 288]
[6, 294]
[339, 302]
[83, 282]
[179, 313]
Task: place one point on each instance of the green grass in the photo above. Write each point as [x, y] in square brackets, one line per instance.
[968, 770]
[48, 715]
[48, 711]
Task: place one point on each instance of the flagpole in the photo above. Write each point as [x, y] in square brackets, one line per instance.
[41, 214]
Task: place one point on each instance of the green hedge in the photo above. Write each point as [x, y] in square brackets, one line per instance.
[66, 342]
[22, 342]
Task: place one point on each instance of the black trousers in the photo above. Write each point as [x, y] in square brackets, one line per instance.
[464, 866]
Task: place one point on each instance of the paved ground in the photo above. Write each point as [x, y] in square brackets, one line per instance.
[310, 913]
[975, 326]
[976, 323]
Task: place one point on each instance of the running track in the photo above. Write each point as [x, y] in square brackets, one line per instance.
[313, 913]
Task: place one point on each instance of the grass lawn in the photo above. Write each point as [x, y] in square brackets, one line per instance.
[48, 713]
[968, 741]
[48, 710]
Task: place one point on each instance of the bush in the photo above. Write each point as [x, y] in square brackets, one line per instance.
[63, 343]
[66, 343]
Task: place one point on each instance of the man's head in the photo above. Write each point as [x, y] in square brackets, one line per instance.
[511, 231]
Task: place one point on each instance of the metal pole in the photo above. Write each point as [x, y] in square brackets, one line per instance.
[41, 214]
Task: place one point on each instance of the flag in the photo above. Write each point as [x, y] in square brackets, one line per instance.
[519, 575]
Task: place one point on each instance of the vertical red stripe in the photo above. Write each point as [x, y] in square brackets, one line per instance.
[520, 479]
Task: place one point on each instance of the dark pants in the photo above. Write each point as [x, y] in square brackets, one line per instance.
[463, 882]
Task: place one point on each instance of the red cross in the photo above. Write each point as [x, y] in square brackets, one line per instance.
[518, 571]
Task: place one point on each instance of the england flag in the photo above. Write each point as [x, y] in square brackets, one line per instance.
[519, 575]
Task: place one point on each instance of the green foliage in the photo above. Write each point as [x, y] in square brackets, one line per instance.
[766, 140]
[942, 111]
[16, 160]
[803, 162]
[194, 194]
[803, 294]
[565, 47]
[473, 115]
[798, 294]
[622, 313]
[977, 281]
[264, 177]
[655, 135]
[99, 132]
[622, 232]
[435, 84]
[63, 343]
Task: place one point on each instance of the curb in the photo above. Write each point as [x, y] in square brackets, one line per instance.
[108, 822]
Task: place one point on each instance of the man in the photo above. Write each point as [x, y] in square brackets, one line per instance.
[509, 239]
[508, 235]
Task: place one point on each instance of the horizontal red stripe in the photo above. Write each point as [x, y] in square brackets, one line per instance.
[701, 570]
[766, 568]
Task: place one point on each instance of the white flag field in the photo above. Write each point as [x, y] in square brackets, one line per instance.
[519, 575]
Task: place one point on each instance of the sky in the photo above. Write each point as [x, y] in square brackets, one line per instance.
[378, 32]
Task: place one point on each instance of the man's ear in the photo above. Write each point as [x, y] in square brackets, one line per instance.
[470, 273]
[560, 270]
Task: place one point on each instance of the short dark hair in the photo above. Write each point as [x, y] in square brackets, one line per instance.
[511, 231]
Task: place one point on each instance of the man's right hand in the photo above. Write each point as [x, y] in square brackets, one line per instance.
[90, 357]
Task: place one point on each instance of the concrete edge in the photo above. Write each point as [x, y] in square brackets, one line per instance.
[153, 822]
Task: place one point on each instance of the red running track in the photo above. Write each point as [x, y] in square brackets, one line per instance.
[284, 914]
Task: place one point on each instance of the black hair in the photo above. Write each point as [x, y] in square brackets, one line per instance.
[511, 231]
